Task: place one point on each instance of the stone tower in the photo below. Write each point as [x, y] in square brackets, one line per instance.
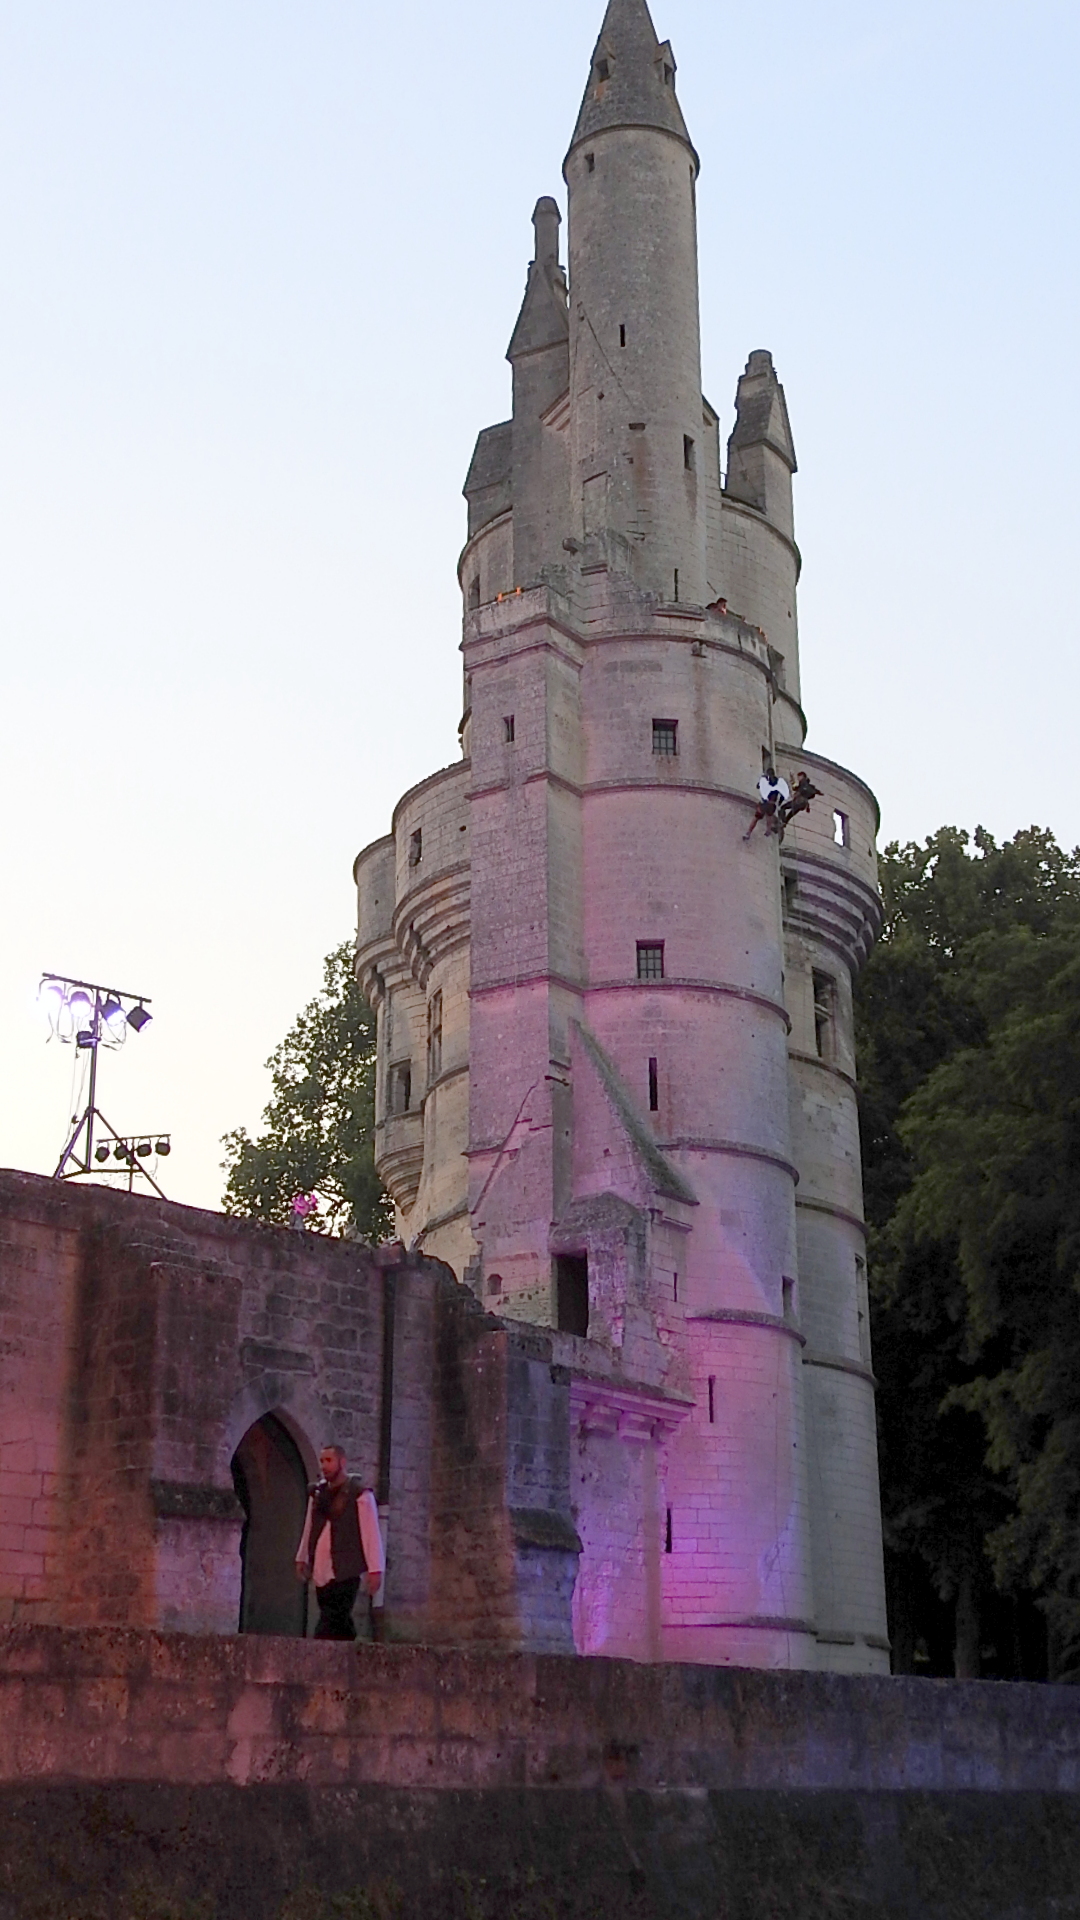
[615, 1060]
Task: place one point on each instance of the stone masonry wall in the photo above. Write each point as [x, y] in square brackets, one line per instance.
[142, 1340]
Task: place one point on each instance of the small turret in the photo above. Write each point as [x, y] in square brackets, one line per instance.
[761, 452]
[539, 353]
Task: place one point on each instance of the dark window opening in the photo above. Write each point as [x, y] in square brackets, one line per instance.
[572, 1293]
[650, 959]
[788, 1287]
[400, 1089]
[712, 1399]
[416, 847]
[654, 1086]
[676, 583]
[688, 453]
[791, 889]
[494, 1284]
[669, 75]
[603, 69]
[434, 1036]
[665, 736]
[622, 336]
[667, 1533]
[508, 729]
[590, 162]
[824, 1014]
[474, 591]
[675, 1286]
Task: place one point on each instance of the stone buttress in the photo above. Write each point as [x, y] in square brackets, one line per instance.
[615, 1054]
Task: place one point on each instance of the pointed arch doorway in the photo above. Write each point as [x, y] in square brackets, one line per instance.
[271, 1486]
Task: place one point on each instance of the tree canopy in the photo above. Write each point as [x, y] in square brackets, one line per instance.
[968, 1029]
[318, 1127]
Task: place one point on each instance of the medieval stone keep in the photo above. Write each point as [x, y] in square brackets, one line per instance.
[615, 1057]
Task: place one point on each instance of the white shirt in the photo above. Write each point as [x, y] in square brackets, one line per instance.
[367, 1514]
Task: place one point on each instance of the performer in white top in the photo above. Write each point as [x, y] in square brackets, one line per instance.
[341, 1545]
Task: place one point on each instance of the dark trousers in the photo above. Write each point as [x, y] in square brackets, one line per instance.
[336, 1601]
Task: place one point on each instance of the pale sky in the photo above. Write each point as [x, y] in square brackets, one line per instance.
[261, 263]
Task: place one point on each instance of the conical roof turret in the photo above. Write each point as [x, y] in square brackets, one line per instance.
[631, 79]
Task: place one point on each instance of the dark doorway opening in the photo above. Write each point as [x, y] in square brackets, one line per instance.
[271, 1486]
[572, 1293]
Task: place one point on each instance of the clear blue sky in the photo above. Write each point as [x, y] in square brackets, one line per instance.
[261, 264]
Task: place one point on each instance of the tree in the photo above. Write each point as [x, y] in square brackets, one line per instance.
[318, 1127]
[930, 1007]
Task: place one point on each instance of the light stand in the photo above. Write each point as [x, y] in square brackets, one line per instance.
[90, 1016]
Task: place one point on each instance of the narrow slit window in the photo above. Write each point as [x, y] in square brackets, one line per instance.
[572, 1293]
[508, 729]
[788, 1290]
[824, 1015]
[712, 1399]
[654, 1086]
[603, 69]
[650, 959]
[688, 453]
[434, 1036]
[400, 1089]
[791, 892]
[675, 1288]
[622, 336]
[474, 590]
[667, 1533]
[676, 583]
[416, 847]
[590, 163]
[840, 829]
[665, 737]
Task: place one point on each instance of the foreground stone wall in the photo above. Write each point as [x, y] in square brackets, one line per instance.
[148, 1777]
[140, 1342]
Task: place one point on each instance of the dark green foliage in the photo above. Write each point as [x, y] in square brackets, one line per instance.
[968, 1019]
[318, 1128]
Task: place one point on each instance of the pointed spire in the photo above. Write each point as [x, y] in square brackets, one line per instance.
[632, 77]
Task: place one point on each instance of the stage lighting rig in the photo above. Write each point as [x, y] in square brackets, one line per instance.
[88, 1017]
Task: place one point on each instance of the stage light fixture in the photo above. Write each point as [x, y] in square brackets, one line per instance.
[101, 1151]
[138, 1018]
[114, 1017]
[163, 1149]
[81, 1009]
[143, 1149]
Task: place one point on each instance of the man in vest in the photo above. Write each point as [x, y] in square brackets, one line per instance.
[341, 1545]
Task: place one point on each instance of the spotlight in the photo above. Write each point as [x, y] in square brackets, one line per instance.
[163, 1148]
[143, 1149]
[51, 998]
[114, 1017]
[81, 1009]
[138, 1018]
[120, 1151]
[101, 1151]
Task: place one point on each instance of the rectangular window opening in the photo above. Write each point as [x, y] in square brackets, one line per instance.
[590, 163]
[508, 729]
[474, 590]
[654, 1086]
[622, 336]
[824, 1014]
[676, 583]
[650, 959]
[791, 891]
[416, 847]
[788, 1287]
[572, 1293]
[675, 1287]
[688, 453]
[400, 1089]
[840, 829]
[863, 1307]
[665, 736]
[712, 1399]
[667, 1533]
